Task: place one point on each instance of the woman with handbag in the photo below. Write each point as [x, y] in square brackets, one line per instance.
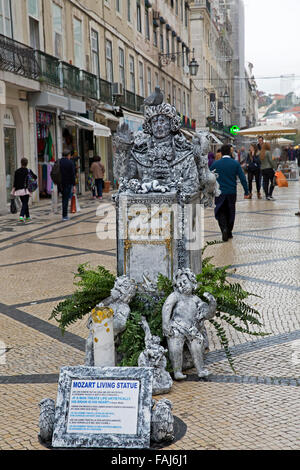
[268, 166]
[23, 180]
[253, 169]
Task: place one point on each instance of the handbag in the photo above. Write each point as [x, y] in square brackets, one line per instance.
[281, 180]
[73, 204]
[31, 182]
[13, 207]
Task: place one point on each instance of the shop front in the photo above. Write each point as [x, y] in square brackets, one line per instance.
[10, 150]
[84, 138]
[46, 149]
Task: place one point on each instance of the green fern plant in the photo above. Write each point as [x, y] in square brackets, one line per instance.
[93, 285]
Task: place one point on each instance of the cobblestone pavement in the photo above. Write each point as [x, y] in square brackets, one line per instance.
[256, 408]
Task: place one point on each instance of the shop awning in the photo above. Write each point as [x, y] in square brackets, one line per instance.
[98, 129]
[268, 131]
[107, 115]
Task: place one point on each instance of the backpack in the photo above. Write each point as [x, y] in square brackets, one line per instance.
[56, 174]
[31, 182]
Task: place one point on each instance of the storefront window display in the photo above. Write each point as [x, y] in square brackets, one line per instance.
[10, 158]
[46, 149]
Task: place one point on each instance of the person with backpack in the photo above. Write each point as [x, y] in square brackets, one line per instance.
[25, 182]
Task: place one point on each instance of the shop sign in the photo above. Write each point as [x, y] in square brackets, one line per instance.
[2, 92]
[8, 119]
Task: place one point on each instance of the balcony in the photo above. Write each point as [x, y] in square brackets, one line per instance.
[105, 91]
[71, 78]
[18, 58]
[204, 4]
[130, 100]
[89, 85]
[49, 68]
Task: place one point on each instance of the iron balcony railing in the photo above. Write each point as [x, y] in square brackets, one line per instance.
[105, 91]
[49, 68]
[89, 85]
[18, 58]
[130, 100]
[71, 78]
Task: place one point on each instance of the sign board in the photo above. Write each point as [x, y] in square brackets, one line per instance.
[103, 407]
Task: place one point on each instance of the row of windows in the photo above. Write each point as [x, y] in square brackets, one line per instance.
[141, 83]
[175, 4]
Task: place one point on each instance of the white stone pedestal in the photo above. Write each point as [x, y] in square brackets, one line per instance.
[157, 233]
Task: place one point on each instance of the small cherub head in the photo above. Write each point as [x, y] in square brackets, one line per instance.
[124, 289]
[184, 281]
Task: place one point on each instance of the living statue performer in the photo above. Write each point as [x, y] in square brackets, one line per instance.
[120, 296]
[183, 316]
[160, 158]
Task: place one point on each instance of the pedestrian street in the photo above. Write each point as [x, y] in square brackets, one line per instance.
[256, 408]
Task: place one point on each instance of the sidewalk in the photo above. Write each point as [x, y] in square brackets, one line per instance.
[258, 408]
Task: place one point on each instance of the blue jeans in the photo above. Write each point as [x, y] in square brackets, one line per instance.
[66, 195]
[99, 183]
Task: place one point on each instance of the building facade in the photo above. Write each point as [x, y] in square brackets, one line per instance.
[72, 70]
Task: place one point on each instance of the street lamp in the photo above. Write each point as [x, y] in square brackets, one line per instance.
[226, 97]
[193, 65]
[244, 112]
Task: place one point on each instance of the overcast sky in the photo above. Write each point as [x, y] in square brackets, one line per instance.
[273, 42]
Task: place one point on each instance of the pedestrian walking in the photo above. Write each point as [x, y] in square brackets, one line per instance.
[260, 142]
[253, 170]
[20, 188]
[98, 170]
[228, 169]
[268, 166]
[68, 184]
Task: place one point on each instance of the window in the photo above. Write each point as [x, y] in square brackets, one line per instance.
[149, 83]
[129, 10]
[161, 38]
[57, 30]
[118, 5]
[179, 100]
[155, 35]
[95, 52]
[33, 8]
[138, 17]
[184, 103]
[5, 18]
[174, 96]
[181, 10]
[109, 64]
[176, 7]
[78, 52]
[131, 74]
[186, 11]
[122, 67]
[167, 42]
[34, 26]
[147, 24]
[156, 79]
[141, 79]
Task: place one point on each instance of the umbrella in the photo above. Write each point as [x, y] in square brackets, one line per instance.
[271, 131]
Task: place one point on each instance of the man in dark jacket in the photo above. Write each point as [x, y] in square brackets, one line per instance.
[228, 170]
[67, 171]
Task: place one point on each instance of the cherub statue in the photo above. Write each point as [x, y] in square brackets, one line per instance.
[183, 316]
[154, 356]
[120, 296]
